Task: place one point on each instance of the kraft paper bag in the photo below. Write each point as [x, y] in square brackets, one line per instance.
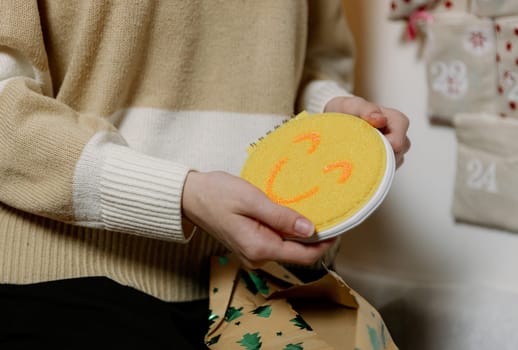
[460, 62]
[507, 65]
[270, 308]
[494, 8]
[486, 182]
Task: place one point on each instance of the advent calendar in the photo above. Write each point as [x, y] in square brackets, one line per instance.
[471, 56]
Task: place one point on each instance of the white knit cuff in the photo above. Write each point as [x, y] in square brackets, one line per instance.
[119, 189]
[319, 92]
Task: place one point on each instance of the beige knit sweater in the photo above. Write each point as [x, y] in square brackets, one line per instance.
[106, 105]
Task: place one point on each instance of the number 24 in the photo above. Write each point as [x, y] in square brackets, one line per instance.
[480, 177]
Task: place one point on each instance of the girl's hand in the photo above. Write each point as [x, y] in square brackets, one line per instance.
[243, 218]
[391, 122]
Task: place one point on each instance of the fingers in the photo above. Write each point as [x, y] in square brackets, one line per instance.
[243, 219]
[400, 155]
[391, 122]
[263, 240]
[360, 107]
[281, 219]
[310, 253]
[396, 133]
[397, 127]
[269, 246]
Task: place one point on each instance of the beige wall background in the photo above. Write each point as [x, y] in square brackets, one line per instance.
[439, 284]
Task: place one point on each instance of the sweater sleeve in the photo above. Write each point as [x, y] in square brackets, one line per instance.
[329, 63]
[68, 166]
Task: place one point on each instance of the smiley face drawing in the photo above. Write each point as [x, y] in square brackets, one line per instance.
[333, 168]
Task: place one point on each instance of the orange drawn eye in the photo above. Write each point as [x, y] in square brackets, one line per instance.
[347, 169]
[313, 136]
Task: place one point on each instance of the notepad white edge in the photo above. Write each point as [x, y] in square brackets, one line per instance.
[368, 208]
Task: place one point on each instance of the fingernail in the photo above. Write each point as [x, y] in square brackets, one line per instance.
[304, 227]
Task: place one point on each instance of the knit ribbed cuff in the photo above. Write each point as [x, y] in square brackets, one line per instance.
[129, 192]
[141, 194]
[319, 92]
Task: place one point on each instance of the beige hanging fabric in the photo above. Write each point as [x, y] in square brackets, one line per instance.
[460, 63]
[471, 54]
[402, 9]
[407, 9]
[270, 308]
[507, 65]
[486, 181]
[471, 58]
[495, 8]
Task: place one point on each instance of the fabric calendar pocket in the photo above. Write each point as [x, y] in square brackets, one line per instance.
[461, 69]
[401, 9]
[495, 8]
[507, 65]
[451, 6]
[486, 182]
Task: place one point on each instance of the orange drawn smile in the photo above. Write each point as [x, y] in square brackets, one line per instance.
[314, 137]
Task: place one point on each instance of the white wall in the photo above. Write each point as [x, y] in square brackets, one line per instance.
[439, 284]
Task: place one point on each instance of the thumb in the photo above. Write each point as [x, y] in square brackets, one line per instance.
[281, 219]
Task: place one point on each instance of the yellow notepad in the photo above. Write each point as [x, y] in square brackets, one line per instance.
[333, 168]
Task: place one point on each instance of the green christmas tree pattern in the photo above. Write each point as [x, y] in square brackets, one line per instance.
[213, 340]
[260, 283]
[212, 318]
[251, 341]
[299, 322]
[263, 311]
[249, 284]
[233, 313]
[223, 260]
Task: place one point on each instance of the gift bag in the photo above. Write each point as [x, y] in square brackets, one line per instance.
[405, 9]
[486, 182]
[460, 62]
[271, 308]
[421, 11]
[402, 9]
[494, 8]
[507, 65]
[452, 6]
